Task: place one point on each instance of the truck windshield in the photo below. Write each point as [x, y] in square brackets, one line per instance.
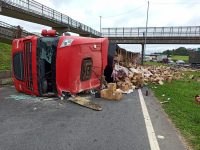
[46, 63]
[47, 49]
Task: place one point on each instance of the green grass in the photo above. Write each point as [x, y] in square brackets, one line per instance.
[5, 57]
[155, 63]
[177, 57]
[182, 108]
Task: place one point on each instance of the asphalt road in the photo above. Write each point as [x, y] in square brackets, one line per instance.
[32, 123]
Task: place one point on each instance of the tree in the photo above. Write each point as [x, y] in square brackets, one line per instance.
[182, 51]
[167, 52]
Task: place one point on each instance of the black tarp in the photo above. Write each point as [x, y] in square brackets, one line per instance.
[109, 68]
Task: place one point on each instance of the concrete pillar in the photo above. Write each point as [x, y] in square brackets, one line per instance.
[142, 60]
[61, 30]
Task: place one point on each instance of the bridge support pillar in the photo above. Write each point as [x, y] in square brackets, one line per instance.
[142, 58]
[61, 30]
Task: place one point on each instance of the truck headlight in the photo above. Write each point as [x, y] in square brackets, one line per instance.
[66, 42]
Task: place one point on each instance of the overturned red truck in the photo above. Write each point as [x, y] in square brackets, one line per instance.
[55, 65]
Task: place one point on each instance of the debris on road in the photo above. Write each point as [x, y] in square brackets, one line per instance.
[48, 99]
[111, 93]
[191, 77]
[160, 82]
[138, 76]
[197, 98]
[147, 93]
[85, 102]
[131, 77]
[164, 102]
[161, 137]
[194, 78]
[23, 97]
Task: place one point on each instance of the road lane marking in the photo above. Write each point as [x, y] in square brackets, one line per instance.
[150, 131]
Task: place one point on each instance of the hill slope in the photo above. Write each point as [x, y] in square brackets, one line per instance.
[5, 57]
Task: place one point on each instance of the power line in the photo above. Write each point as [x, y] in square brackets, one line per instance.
[130, 11]
[177, 3]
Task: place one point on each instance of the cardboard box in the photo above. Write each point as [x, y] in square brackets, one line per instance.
[112, 87]
[104, 93]
[118, 95]
[125, 87]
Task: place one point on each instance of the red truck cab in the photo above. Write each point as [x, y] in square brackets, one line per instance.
[54, 64]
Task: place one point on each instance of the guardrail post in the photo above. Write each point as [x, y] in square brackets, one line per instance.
[187, 32]
[178, 30]
[42, 9]
[28, 4]
[199, 31]
[172, 31]
[131, 32]
[181, 31]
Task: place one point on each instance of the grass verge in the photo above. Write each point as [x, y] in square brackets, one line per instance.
[177, 57]
[181, 108]
[154, 63]
[5, 57]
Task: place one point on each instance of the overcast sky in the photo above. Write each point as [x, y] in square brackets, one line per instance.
[124, 13]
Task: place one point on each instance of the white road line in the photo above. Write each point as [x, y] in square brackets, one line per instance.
[150, 131]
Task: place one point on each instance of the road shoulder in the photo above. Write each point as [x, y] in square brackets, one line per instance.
[167, 135]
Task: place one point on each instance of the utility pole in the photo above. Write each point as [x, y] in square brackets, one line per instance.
[145, 38]
[100, 23]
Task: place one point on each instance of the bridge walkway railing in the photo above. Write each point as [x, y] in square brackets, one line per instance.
[185, 31]
[8, 31]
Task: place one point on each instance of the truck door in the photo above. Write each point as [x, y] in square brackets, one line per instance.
[46, 65]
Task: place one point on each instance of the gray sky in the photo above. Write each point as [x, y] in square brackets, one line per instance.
[126, 13]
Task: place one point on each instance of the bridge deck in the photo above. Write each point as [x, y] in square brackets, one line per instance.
[33, 11]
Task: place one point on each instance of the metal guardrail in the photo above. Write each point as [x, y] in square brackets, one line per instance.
[185, 31]
[9, 31]
[6, 30]
[34, 7]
